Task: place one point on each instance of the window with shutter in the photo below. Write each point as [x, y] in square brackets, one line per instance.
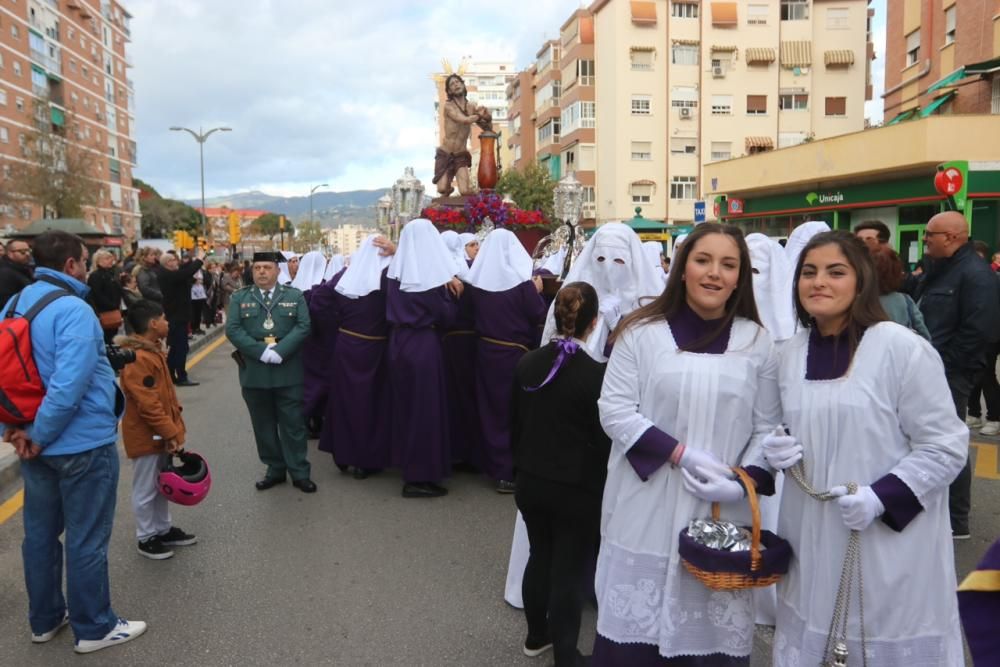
[836, 106]
[756, 105]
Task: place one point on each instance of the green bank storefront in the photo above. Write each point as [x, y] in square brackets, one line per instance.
[903, 204]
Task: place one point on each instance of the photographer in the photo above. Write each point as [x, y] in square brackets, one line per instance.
[69, 461]
[175, 284]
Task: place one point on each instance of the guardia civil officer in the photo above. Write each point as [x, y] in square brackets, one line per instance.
[267, 323]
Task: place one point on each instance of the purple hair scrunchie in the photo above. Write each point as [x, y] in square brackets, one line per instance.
[567, 348]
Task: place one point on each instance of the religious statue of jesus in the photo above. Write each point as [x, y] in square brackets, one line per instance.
[452, 160]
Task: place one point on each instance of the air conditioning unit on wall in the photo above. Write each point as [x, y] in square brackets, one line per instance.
[718, 72]
[685, 112]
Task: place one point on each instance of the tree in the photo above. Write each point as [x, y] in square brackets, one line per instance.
[308, 236]
[161, 217]
[269, 225]
[59, 175]
[531, 188]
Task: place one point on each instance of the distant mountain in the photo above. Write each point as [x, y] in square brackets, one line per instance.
[331, 209]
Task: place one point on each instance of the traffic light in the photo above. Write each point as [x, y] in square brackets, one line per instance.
[183, 240]
[235, 231]
[281, 223]
[205, 244]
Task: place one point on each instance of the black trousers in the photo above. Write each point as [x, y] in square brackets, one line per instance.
[987, 387]
[960, 491]
[563, 524]
[177, 344]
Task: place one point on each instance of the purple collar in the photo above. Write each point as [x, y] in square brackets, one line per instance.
[828, 357]
[567, 348]
[688, 328]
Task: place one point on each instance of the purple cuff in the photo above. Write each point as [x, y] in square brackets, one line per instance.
[763, 479]
[650, 452]
[901, 505]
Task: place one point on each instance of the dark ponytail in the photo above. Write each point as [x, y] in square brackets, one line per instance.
[575, 309]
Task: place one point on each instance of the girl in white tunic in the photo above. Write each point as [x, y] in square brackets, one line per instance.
[691, 382]
[866, 401]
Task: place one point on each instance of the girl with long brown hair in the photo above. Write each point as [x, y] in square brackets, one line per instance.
[867, 403]
[692, 382]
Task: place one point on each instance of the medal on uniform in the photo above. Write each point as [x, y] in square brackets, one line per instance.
[268, 323]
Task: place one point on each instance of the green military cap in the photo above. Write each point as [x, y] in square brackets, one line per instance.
[276, 257]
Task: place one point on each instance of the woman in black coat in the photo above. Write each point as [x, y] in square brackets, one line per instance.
[106, 293]
[561, 458]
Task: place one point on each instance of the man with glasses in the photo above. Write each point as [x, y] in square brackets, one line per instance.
[959, 297]
[16, 271]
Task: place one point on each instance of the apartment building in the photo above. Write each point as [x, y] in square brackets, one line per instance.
[547, 116]
[348, 238]
[942, 56]
[577, 117]
[520, 124]
[65, 64]
[685, 83]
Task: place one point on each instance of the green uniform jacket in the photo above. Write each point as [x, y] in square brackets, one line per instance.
[245, 329]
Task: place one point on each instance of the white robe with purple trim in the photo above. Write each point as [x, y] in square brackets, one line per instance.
[720, 403]
[891, 413]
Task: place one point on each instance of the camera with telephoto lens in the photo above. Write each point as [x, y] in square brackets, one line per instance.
[118, 357]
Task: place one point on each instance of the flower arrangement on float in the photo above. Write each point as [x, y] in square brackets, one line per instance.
[480, 209]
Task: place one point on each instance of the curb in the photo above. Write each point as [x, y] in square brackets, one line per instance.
[10, 465]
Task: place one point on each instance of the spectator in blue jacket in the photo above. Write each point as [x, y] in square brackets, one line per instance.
[69, 458]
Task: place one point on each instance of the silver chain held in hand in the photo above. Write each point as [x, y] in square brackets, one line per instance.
[835, 653]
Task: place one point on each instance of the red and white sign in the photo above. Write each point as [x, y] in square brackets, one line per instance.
[735, 206]
[948, 182]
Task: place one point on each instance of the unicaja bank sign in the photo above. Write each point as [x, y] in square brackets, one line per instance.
[827, 198]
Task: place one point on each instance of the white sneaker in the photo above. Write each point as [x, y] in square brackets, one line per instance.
[974, 422]
[48, 636]
[990, 428]
[121, 633]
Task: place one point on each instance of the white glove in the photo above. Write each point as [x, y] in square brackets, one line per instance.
[270, 356]
[712, 486]
[859, 509]
[694, 458]
[781, 451]
[610, 308]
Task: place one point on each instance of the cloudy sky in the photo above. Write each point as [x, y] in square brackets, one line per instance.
[315, 91]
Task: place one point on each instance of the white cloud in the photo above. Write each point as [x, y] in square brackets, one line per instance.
[315, 91]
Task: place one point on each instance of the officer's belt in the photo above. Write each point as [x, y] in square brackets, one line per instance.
[505, 343]
[361, 335]
[269, 339]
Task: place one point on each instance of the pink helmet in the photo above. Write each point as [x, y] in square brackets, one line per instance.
[188, 484]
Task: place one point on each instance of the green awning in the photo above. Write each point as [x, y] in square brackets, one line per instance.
[39, 70]
[957, 75]
[906, 115]
[58, 117]
[641, 224]
[985, 67]
[936, 104]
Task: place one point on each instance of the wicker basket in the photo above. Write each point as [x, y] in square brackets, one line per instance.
[725, 570]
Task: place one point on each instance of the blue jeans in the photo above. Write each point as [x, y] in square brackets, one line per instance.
[76, 492]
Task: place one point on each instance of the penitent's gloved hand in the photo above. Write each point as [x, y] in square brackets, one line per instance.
[781, 451]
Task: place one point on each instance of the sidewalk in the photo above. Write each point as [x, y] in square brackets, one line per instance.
[10, 467]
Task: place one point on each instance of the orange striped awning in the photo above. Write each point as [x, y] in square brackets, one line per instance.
[839, 58]
[724, 13]
[685, 42]
[643, 13]
[796, 54]
[760, 55]
[760, 142]
[723, 48]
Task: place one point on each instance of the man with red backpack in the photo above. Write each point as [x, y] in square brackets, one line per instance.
[68, 452]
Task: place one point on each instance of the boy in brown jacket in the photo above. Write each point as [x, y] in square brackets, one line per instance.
[152, 429]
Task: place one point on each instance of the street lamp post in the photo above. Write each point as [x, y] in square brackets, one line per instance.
[201, 138]
[314, 189]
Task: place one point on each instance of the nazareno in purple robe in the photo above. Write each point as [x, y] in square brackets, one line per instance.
[507, 325]
[417, 382]
[317, 350]
[459, 348]
[356, 422]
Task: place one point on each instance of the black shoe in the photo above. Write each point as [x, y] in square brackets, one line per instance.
[304, 485]
[535, 647]
[504, 486]
[268, 482]
[186, 383]
[364, 473]
[424, 490]
[175, 537]
[154, 548]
